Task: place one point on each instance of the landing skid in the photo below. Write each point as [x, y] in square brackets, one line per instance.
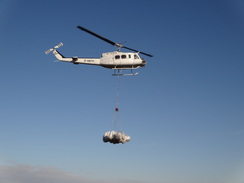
[118, 73]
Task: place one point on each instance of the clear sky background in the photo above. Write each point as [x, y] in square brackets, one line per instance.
[184, 111]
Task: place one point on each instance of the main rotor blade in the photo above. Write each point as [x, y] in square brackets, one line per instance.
[111, 42]
[96, 35]
[137, 51]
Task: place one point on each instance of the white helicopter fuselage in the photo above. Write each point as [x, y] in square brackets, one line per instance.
[121, 60]
[111, 60]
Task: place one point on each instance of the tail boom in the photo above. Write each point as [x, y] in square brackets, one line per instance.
[75, 60]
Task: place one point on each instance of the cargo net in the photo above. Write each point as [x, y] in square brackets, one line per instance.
[116, 136]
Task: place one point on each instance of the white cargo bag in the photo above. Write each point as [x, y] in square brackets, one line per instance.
[115, 137]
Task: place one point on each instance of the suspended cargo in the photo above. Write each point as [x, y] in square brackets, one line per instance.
[115, 137]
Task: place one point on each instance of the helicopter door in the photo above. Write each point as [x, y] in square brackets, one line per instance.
[117, 60]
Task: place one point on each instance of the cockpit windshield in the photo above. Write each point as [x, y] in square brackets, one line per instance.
[136, 56]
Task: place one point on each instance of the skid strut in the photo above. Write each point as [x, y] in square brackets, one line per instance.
[118, 72]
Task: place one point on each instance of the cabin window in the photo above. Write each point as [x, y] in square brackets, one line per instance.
[129, 56]
[117, 56]
[136, 57]
[123, 56]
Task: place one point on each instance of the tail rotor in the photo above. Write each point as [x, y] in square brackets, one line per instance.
[54, 48]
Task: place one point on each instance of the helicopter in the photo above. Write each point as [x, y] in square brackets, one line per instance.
[115, 60]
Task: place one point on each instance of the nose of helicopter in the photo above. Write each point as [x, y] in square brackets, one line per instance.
[144, 62]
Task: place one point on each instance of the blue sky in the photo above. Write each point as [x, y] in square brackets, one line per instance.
[184, 111]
